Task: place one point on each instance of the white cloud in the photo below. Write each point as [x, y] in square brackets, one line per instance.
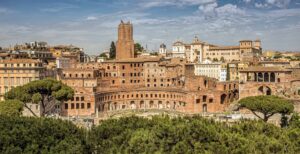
[208, 9]
[90, 18]
[279, 3]
[229, 9]
[261, 5]
[247, 1]
[161, 3]
[212, 10]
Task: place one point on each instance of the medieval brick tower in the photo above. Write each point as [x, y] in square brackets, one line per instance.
[125, 43]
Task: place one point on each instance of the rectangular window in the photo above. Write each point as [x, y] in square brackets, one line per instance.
[66, 106]
[82, 105]
[77, 105]
[88, 105]
[204, 98]
[82, 98]
[72, 106]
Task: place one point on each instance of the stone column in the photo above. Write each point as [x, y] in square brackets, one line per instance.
[269, 77]
[256, 77]
[263, 76]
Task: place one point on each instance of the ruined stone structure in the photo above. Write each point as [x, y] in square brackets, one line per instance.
[125, 43]
[143, 83]
[269, 81]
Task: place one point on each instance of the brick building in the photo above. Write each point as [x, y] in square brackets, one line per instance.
[142, 83]
[269, 81]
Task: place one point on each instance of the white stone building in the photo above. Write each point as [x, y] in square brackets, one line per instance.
[212, 70]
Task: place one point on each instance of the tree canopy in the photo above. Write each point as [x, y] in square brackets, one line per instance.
[11, 108]
[46, 91]
[267, 105]
[103, 55]
[190, 135]
[112, 50]
[159, 134]
[40, 135]
[138, 48]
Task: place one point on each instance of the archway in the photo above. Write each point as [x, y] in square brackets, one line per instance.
[204, 108]
[160, 105]
[168, 104]
[236, 94]
[268, 91]
[223, 98]
[266, 77]
[132, 105]
[260, 77]
[151, 104]
[142, 104]
[272, 77]
[115, 106]
[261, 90]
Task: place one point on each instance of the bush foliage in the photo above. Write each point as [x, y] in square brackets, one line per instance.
[160, 134]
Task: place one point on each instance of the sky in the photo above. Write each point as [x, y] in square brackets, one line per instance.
[92, 24]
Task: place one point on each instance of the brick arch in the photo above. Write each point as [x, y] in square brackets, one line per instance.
[265, 90]
[223, 98]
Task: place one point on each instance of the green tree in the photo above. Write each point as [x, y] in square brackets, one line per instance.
[154, 53]
[222, 59]
[112, 50]
[40, 135]
[277, 55]
[11, 107]
[47, 92]
[267, 106]
[215, 60]
[103, 55]
[138, 48]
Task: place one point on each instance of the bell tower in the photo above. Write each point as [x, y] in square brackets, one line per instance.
[125, 43]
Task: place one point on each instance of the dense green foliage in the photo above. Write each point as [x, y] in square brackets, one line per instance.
[267, 105]
[160, 134]
[40, 135]
[11, 108]
[112, 50]
[46, 91]
[191, 135]
[138, 48]
[103, 55]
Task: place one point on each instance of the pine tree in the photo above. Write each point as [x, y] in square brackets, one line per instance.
[112, 50]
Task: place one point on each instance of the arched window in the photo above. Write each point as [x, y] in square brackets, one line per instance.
[266, 77]
[272, 77]
[260, 77]
[223, 98]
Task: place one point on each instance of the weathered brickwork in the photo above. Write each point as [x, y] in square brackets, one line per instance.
[142, 83]
[125, 43]
[269, 81]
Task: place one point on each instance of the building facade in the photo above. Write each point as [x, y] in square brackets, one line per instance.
[17, 72]
[260, 80]
[125, 43]
[212, 70]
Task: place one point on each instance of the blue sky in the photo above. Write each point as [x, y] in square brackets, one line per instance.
[92, 24]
